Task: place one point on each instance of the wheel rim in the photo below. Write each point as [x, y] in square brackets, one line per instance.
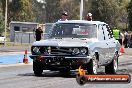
[95, 65]
[115, 63]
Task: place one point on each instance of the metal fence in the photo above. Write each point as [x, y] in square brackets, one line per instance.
[27, 37]
[24, 37]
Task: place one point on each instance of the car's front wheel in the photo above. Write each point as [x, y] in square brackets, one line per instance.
[37, 68]
[92, 66]
[113, 66]
[65, 71]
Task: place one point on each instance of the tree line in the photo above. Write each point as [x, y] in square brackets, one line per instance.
[117, 13]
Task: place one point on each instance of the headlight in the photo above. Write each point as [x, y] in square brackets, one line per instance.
[70, 49]
[49, 50]
[83, 51]
[75, 51]
[36, 50]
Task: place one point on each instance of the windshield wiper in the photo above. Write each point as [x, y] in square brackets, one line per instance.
[58, 37]
[83, 38]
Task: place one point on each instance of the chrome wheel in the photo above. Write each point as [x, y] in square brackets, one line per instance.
[92, 66]
[95, 65]
[112, 67]
[115, 63]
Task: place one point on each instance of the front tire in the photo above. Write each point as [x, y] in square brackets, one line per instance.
[37, 68]
[92, 66]
[113, 66]
[65, 71]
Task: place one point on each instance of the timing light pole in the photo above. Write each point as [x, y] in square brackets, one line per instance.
[81, 10]
[5, 28]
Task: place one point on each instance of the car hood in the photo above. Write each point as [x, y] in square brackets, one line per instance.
[65, 42]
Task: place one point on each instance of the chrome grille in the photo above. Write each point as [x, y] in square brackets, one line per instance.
[60, 50]
[55, 50]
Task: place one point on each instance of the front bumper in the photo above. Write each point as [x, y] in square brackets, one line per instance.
[61, 61]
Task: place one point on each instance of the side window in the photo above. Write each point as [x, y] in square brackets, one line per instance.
[106, 32]
[16, 28]
[101, 32]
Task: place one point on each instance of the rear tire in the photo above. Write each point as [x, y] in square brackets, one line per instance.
[113, 66]
[92, 66]
[37, 68]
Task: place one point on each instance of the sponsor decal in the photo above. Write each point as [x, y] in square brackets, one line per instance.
[118, 78]
[82, 78]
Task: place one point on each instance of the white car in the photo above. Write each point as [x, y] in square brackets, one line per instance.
[2, 40]
[75, 43]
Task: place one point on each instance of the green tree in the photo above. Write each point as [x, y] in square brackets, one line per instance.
[52, 10]
[1, 18]
[123, 14]
[130, 15]
[1, 23]
[87, 7]
[111, 12]
[20, 10]
[39, 12]
[72, 7]
[105, 10]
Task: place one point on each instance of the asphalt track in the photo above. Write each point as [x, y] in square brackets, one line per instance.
[21, 76]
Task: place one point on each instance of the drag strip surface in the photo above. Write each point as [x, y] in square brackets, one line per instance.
[21, 76]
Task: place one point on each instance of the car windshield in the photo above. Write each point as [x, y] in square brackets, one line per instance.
[74, 30]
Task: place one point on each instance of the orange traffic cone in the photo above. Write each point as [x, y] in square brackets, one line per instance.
[25, 59]
[122, 50]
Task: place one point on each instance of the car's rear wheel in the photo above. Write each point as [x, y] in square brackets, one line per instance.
[37, 68]
[113, 66]
[92, 66]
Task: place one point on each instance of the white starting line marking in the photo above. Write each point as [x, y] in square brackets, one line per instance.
[12, 53]
[17, 64]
